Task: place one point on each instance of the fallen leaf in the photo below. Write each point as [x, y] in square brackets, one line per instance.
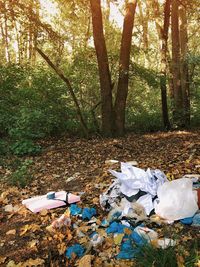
[32, 243]
[118, 239]
[11, 208]
[28, 227]
[127, 231]
[31, 262]
[44, 212]
[12, 264]
[61, 248]
[85, 261]
[11, 232]
[180, 261]
[2, 260]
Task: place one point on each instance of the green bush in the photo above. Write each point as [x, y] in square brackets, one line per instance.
[3, 147]
[22, 175]
[25, 147]
[34, 103]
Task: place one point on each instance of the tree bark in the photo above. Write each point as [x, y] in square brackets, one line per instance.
[178, 111]
[7, 52]
[163, 76]
[103, 66]
[122, 88]
[67, 82]
[184, 65]
[144, 23]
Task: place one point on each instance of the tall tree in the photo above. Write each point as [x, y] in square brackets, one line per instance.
[163, 36]
[122, 88]
[103, 65]
[184, 65]
[177, 91]
[113, 120]
[163, 77]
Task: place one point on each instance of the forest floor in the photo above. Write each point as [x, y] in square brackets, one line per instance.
[25, 241]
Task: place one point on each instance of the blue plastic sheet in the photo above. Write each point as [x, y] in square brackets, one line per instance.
[128, 250]
[115, 227]
[196, 220]
[187, 220]
[75, 249]
[88, 213]
[75, 210]
[137, 239]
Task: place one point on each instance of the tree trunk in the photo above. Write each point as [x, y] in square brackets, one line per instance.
[163, 76]
[7, 52]
[178, 111]
[184, 65]
[144, 23]
[103, 66]
[122, 88]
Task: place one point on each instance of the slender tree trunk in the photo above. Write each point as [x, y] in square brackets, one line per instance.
[144, 23]
[122, 88]
[7, 52]
[71, 91]
[178, 111]
[184, 65]
[17, 52]
[163, 77]
[103, 65]
[163, 36]
[87, 34]
[107, 10]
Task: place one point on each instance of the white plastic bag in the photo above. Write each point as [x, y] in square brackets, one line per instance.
[177, 200]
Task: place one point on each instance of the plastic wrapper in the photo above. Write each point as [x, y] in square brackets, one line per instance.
[176, 200]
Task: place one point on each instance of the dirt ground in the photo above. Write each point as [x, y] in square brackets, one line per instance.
[25, 241]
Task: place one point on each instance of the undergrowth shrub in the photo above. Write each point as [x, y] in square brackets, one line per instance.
[3, 147]
[25, 147]
[22, 176]
[34, 103]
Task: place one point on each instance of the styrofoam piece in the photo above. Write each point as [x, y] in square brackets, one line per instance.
[36, 204]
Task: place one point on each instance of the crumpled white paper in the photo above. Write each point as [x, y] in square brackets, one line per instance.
[133, 179]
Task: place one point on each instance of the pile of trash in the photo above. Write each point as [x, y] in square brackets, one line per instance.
[135, 198]
[152, 191]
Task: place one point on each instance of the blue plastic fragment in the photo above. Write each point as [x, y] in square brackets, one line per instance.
[75, 249]
[88, 213]
[196, 220]
[187, 220]
[138, 239]
[75, 210]
[104, 223]
[93, 233]
[128, 250]
[116, 215]
[115, 227]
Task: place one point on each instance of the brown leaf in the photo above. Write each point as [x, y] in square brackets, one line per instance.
[44, 212]
[11, 232]
[32, 244]
[29, 227]
[31, 262]
[85, 261]
[2, 260]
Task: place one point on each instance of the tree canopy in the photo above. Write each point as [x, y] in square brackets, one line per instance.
[118, 64]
